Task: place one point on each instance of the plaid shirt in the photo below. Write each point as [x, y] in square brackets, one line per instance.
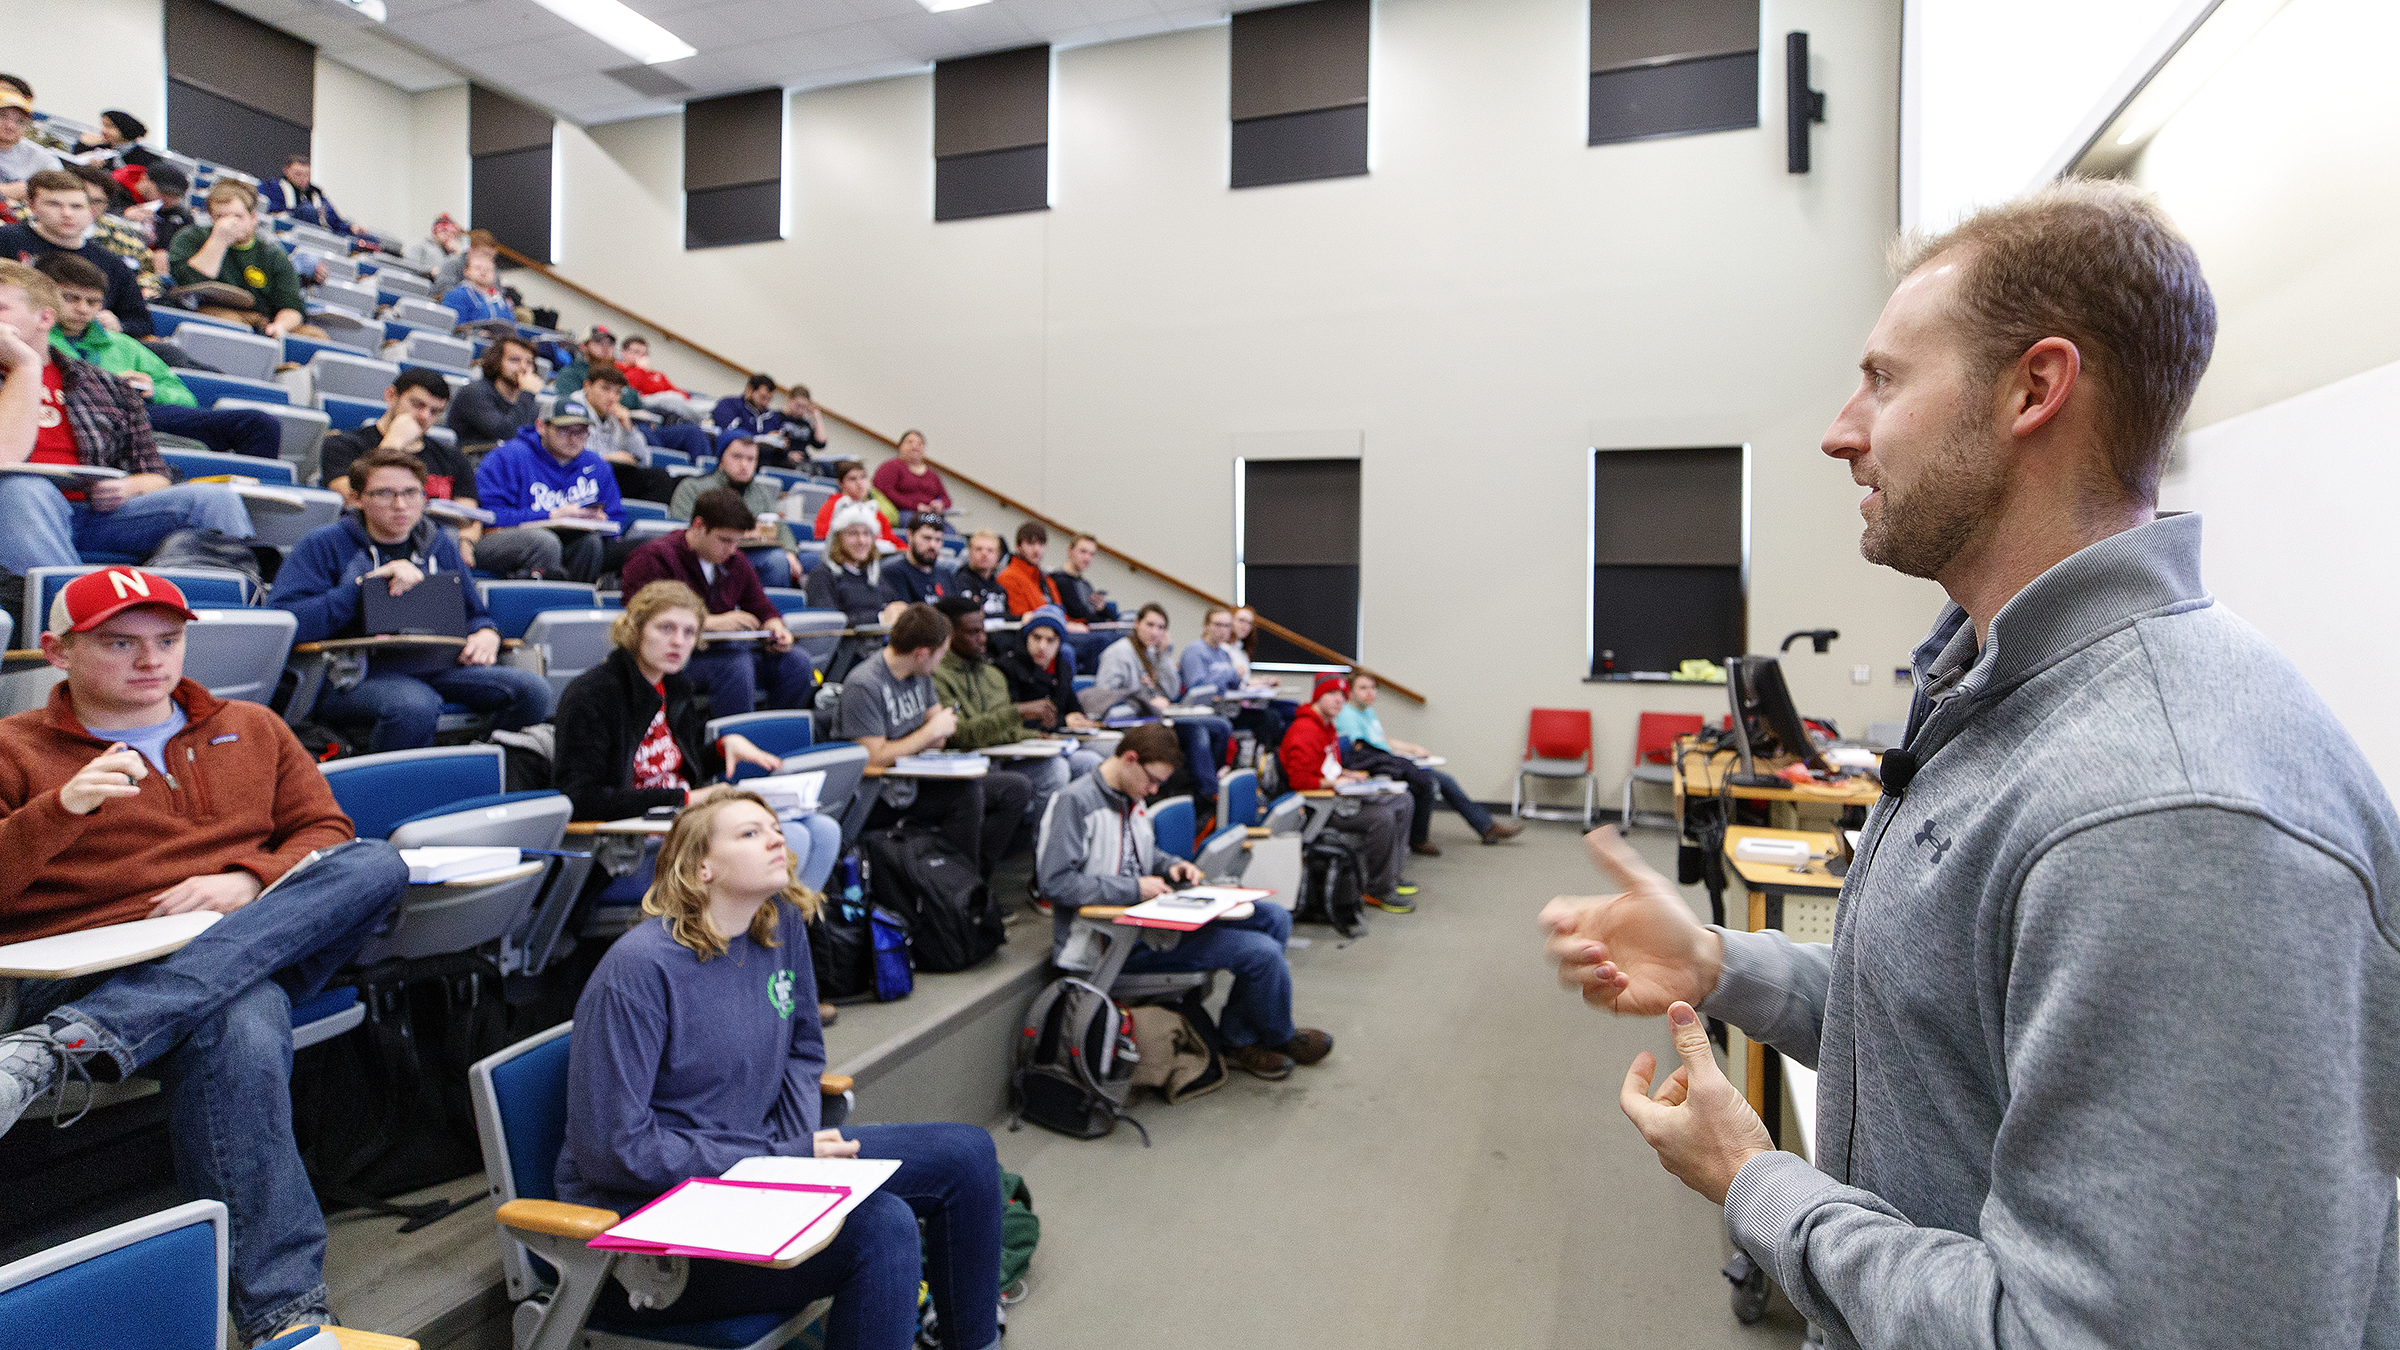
[109, 417]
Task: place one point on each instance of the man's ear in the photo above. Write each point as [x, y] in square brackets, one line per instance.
[54, 649]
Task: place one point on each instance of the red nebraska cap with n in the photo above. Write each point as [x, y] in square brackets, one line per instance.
[96, 597]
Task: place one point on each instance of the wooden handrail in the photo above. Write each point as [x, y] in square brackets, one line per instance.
[1135, 565]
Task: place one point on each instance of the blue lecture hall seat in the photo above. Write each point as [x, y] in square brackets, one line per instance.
[776, 732]
[348, 413]
[514, 603]
[1237, 797]
[207, 389]
[379, 792]
[637, 509]
[202, 586]
[207, 463]
[520, 1097]
[1174, 823]
[79, 1295]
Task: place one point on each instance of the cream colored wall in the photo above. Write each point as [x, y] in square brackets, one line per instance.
[361, 146]
[438, 169]
[1493, 300]
[2280, 171]
[106, 54]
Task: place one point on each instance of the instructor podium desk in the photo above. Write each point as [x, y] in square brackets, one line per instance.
[1798, 903]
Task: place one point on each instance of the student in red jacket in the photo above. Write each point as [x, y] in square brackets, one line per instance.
[137, 794]
[707, 556]
[1377, 826]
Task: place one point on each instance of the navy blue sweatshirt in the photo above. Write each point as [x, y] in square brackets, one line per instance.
[681, 1068]
[318, 583]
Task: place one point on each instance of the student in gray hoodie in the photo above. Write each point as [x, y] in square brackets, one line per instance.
[2108, 1036]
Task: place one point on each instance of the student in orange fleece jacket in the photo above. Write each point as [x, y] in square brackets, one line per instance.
[1028, 587]
[136, 793]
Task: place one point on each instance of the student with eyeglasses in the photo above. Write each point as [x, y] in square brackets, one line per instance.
[388, 536]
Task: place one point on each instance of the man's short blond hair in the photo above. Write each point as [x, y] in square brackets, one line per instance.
[232, 190]
[40, 291]
[2098, 263]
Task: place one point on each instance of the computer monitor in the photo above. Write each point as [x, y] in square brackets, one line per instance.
[1764, 718]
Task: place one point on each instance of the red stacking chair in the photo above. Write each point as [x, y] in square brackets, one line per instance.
[1654, 755]
[1558, 744]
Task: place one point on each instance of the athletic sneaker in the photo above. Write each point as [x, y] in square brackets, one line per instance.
[1394, 905]
[33, 1059]
[1405, 888]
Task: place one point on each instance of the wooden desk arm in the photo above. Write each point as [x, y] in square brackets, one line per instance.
[370, 1340]
[1101, 911]
[834, 1084]
[1261, 832]
[557, 1218]
[1317, 792]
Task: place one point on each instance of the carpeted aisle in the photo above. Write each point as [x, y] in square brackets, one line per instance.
[1457, 1174]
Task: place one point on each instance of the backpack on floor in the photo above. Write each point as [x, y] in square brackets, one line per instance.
[1332, 884]
[1075, 1061]
[953, 919]
[386, 1110]
[1177, 1058]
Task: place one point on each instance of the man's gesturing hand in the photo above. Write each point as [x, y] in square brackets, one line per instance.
[1638, 950]
[1702, 1128]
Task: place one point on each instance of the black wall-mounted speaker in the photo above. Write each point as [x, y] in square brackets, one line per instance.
[1801, 104]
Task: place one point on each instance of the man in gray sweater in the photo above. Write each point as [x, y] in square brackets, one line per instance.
[2108, 1037]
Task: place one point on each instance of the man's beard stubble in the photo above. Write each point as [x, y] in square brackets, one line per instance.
[1919, 533]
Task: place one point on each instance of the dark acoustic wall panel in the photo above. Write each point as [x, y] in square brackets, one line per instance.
[1656, 618]
[1302, 511]
[498, 124]
[1300, 58]
[1299, 92]
[1319, 603]
[749, 214]
[1648, 32]
[1687, 98]
[1668, 506]
[998, 101]
[222, 131]
[512, 199]
[1298, 147]
[733, 141]
[999, 183]
[240, 60]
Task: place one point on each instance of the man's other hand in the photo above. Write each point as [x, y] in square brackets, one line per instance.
[222, 893]
[1701, 1127]
[1636, 951]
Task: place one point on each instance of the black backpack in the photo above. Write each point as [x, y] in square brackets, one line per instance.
[1331, 884]
[386, 1110]
[953, 921]
[1075, 1062]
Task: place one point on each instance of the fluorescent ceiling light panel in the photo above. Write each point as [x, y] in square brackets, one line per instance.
[945, 6]
[620, 27]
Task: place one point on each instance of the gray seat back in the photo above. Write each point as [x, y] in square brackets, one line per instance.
[239, 653]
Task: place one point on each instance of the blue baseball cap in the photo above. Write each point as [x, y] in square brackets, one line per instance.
[731, 434]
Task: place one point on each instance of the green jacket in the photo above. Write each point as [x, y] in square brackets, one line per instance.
[260, 267]
[759, 497]
[978, 693]
[117, 354]
[568, 382]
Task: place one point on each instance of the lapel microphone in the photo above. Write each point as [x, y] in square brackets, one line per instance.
[1899, 766]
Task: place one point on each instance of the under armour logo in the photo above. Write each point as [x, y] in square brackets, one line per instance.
[1925, 836]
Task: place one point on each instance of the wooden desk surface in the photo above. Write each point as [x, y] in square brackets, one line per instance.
[1696, 776]
[516, 873]
[1772, 876]
[630, 825]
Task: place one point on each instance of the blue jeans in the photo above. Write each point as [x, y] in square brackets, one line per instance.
[815, 842]
[1259, 1010]
[949, 1177]
[1043, 776]
[1426, 784]
[1204, 740]
[404, 708]
[736, 675]
[213, 1023]
[773, 565]
[683, 436]
[39, 527]
[230, 431]
[1088, 646]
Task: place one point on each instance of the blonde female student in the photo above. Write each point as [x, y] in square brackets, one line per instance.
[697, 1045]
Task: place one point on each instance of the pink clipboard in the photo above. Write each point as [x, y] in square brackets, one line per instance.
[834, 1196]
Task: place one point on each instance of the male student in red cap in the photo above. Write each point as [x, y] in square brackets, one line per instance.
[1377, 826]
[138, 794]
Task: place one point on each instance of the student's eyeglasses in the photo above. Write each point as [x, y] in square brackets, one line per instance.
[392, 496]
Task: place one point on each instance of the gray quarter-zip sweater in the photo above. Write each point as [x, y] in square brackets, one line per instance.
[2108, 1038]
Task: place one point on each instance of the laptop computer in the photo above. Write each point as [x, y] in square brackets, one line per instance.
[434, 607]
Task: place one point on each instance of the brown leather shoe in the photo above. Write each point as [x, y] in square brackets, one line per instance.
[1502, 829]
[1264, 1061]
[1428, 849]
[1308, 1047]
[827, 1014]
